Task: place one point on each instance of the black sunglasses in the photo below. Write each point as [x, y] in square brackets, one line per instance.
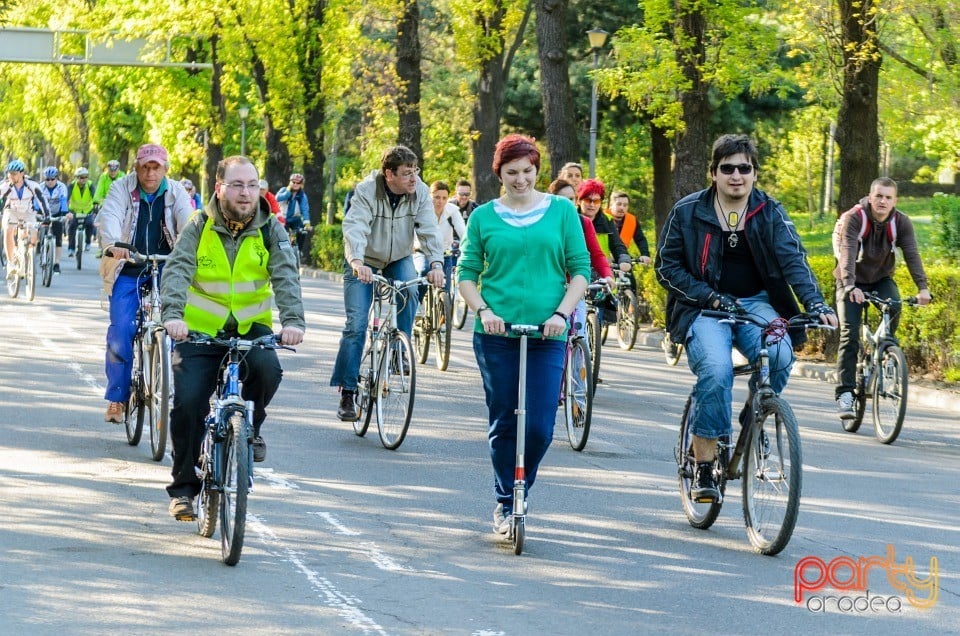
[742, 168]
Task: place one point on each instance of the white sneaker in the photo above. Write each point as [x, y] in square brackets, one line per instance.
[501, 520]
[845, 406]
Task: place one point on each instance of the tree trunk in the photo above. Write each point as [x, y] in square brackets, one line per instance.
[277, 165]
[662, 177]
[213, 151]
[690, 166]
[857, 120]
[558, 113]
[487, 110]
[408, 72]
[311, 70]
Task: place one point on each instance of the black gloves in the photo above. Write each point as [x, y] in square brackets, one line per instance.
[723, 302]
[820, 308]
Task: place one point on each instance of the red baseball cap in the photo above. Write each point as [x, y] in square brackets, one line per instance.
[151, 152]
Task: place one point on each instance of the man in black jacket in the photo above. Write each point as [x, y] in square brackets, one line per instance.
[730, 247]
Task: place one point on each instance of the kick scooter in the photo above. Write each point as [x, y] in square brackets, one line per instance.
[518, 518]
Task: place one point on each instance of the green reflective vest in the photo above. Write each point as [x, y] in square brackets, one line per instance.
[218, 291]
[81, 199]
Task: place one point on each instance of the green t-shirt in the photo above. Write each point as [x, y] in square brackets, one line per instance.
[521, 267]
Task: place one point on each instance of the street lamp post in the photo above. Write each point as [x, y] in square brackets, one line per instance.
[597, 38]
[244, 112]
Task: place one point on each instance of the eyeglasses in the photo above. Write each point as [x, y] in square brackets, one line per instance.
[463, 194]
[240, 187]
[407, 174]
[742, 168]
[594, 200]
[50, 179]
[82, 177]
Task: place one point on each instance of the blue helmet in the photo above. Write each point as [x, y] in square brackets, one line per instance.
[16, 166]
[50, 173]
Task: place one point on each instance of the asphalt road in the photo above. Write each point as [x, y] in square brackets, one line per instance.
[345, 537]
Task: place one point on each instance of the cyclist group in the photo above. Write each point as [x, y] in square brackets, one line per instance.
[729, 247]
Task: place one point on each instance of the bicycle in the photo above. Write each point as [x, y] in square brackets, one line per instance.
[151, 381]
[388, 375]
[768, 445]
[81, 239]
[671, 350]
[460, 309]
[881, 374]
[22, 263]
[46, 248]
[226, 454]
[576, 399]
[596, 293]
[434, 322]
[631, 311]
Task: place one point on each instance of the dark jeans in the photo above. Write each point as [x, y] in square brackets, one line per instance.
[195, 375]
[72, 230]
[499, 360]
[850, 316]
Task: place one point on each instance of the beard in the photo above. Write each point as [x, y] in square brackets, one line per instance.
[236, 212]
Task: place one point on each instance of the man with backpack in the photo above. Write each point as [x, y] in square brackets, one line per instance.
[864, 242]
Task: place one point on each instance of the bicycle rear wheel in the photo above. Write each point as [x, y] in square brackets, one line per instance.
[208, 501]
[365, 392]
[772, 477]
[30, 274]
[627, 320]
[444, 329]
[890, 393]
[136, 405]
[577, 398]
[422, 328]
[593, 342]
[671, 350]
[236, 484]
[161, 382]
[395, 391]
[459, 306]
[699, 515]
[859, 395]
[47, 256]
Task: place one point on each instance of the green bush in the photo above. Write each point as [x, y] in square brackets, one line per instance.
[946, 223]
[327, 247]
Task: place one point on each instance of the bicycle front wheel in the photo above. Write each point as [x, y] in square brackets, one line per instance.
[577, 396]
[395, 391]
[364, 397]
[772, 477]
[161, 376]
[890, 394]
[81, 243]
[236, 483]
[444, 329]
[30, 274]
[627, 320]
[699, 515]
[13, 276]
[47, 256]
[593, 342]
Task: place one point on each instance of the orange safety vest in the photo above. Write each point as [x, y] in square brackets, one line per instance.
[628, 229]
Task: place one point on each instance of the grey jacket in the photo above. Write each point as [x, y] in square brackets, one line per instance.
[378, 235]
[284, 273]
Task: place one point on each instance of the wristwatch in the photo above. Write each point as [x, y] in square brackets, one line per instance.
[436, 265]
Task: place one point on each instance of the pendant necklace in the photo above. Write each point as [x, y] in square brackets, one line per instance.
[732, 219]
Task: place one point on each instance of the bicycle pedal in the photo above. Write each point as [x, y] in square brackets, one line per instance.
[190, 517]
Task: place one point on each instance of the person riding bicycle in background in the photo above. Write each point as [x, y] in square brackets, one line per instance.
[228, 266]
[628, 225]
[589, 201]
[388, 208]
[731, 247]
[106, 179]
[149, 211]
[464, 203]
[296, 209]
[55, 194]
[191, 191]
[452, 231]
[867, 236]
[20, 199]
[80, 202]
[572, 173]
[519, 251]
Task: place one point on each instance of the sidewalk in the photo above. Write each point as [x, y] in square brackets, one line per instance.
[926, 396]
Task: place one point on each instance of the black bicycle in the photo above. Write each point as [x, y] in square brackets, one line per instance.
[768, 446]
[46, 251]
[226, 453]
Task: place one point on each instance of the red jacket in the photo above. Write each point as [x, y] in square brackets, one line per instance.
[598, 260]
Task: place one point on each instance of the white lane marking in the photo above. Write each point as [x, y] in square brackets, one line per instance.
[275, 480]
[85, 377]
[347, 606]
[381, 560]
[333, 521]
[487, 632]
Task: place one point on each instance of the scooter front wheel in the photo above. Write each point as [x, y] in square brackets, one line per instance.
[518, 534]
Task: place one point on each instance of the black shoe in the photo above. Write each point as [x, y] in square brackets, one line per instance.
[259, 449]
[348, 408]
[56, 268]
[704, 488]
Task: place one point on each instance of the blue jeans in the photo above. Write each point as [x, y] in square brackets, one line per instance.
[422, 266]
[357, 298]
[709, 344]
[124, 302]
[499, 360]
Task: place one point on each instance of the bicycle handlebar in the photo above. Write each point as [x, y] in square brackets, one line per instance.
[401, 285]
[135, 256]
[890, 302]
[269, 341]
[805, 320]
[522, 330]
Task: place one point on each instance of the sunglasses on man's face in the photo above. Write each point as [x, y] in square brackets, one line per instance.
[742, 168]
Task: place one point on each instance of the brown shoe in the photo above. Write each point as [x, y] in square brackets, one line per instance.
[114, 413]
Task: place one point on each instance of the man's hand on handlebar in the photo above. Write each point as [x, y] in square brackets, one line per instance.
[291, 336]
[924, 297]
[363, 273]
[435, 276]
[177, 329]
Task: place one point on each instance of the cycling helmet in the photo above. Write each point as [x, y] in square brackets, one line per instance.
[16, 166]
[50, 173]
[82, 172]
[296, 177]
[113, 164]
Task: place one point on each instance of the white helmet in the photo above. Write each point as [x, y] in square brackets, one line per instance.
[82, 172]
